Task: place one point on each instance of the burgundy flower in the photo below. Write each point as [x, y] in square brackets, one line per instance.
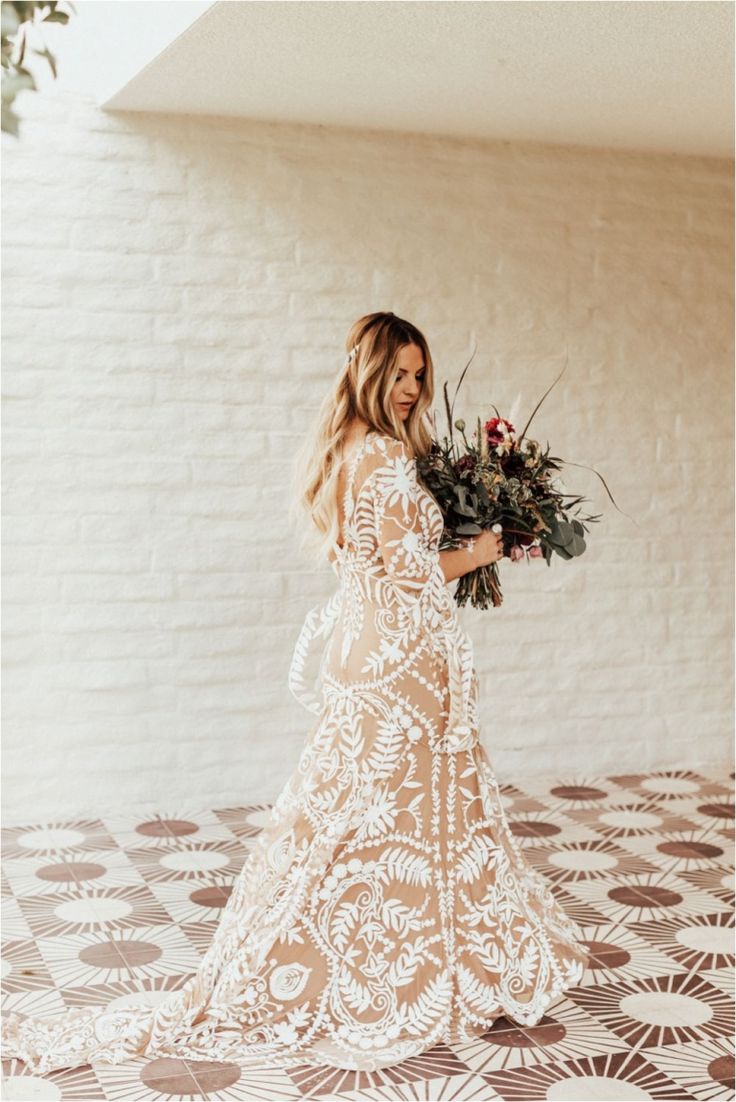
[497, 430]
[465, 463]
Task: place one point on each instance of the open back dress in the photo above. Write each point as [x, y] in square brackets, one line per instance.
[386, 907]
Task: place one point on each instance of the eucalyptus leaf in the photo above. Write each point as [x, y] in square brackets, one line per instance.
[483, 496]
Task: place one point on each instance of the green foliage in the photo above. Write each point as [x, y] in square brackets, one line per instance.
[20, 21]
[501, 478]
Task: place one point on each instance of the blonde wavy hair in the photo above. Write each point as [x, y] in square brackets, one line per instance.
[362, 389]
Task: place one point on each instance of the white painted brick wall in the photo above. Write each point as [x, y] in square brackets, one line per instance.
[176, 296]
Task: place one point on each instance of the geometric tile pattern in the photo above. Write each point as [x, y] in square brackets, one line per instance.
[119, 910]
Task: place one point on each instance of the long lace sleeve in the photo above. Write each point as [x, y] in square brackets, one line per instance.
[402, 525]
[416, 581]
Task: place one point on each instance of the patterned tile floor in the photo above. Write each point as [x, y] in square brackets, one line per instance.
[97, 910]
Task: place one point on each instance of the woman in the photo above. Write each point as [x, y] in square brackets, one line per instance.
[387, 907]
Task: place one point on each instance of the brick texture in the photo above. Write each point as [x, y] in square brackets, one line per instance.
[177, 292]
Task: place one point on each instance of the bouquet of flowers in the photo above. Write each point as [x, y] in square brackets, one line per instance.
[505, 482]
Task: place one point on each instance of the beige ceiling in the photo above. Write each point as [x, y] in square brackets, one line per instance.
[623, 74]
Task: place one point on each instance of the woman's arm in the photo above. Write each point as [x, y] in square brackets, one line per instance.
[455, 562]
[480, 550]
[409, 561]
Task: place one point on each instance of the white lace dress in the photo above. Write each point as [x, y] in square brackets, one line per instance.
[387, 906]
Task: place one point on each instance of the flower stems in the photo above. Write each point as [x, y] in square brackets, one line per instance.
[481, 587]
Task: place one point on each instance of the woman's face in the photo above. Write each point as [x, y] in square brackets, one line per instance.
[405, 391]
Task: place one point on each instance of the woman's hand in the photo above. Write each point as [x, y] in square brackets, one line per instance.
[480, 550]
[486, 548]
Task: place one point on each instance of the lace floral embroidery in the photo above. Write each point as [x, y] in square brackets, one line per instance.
[386, 907]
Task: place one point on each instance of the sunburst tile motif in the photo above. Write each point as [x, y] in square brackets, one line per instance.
[716, 813]
[566, 1032]
[167, 834]
[571, 862]
[191, 901]
[652, 932]
[721, 787]
[530, 826]
[717, 880]
[689, 850]
[121, 994]
[705, 1068]
[460, 1088]
[504, 1045]
[93, 869]
[189, 861]
[245, 823]
[572, 830]
[172, 822]
[12, 923]
[162, 1079]
[106, 958]
[618, 952]
[704, 813]
[642, 897]
[56, 839]
[38, 1002]
[623, 819]
[536, 828]
[74, 912]
[226, 1082]
[164, 833]
[718, 787]
[722, 978]
[200, 934]
[66, 1085]
[623, 1075]
[518, 804]
[579, 793]
[512, 796]
[510, 791]
[659, 1010]
[696, 942]
[327, 1083]
[23, 968]
[666, 785]
[679, 850]
[581, 911]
